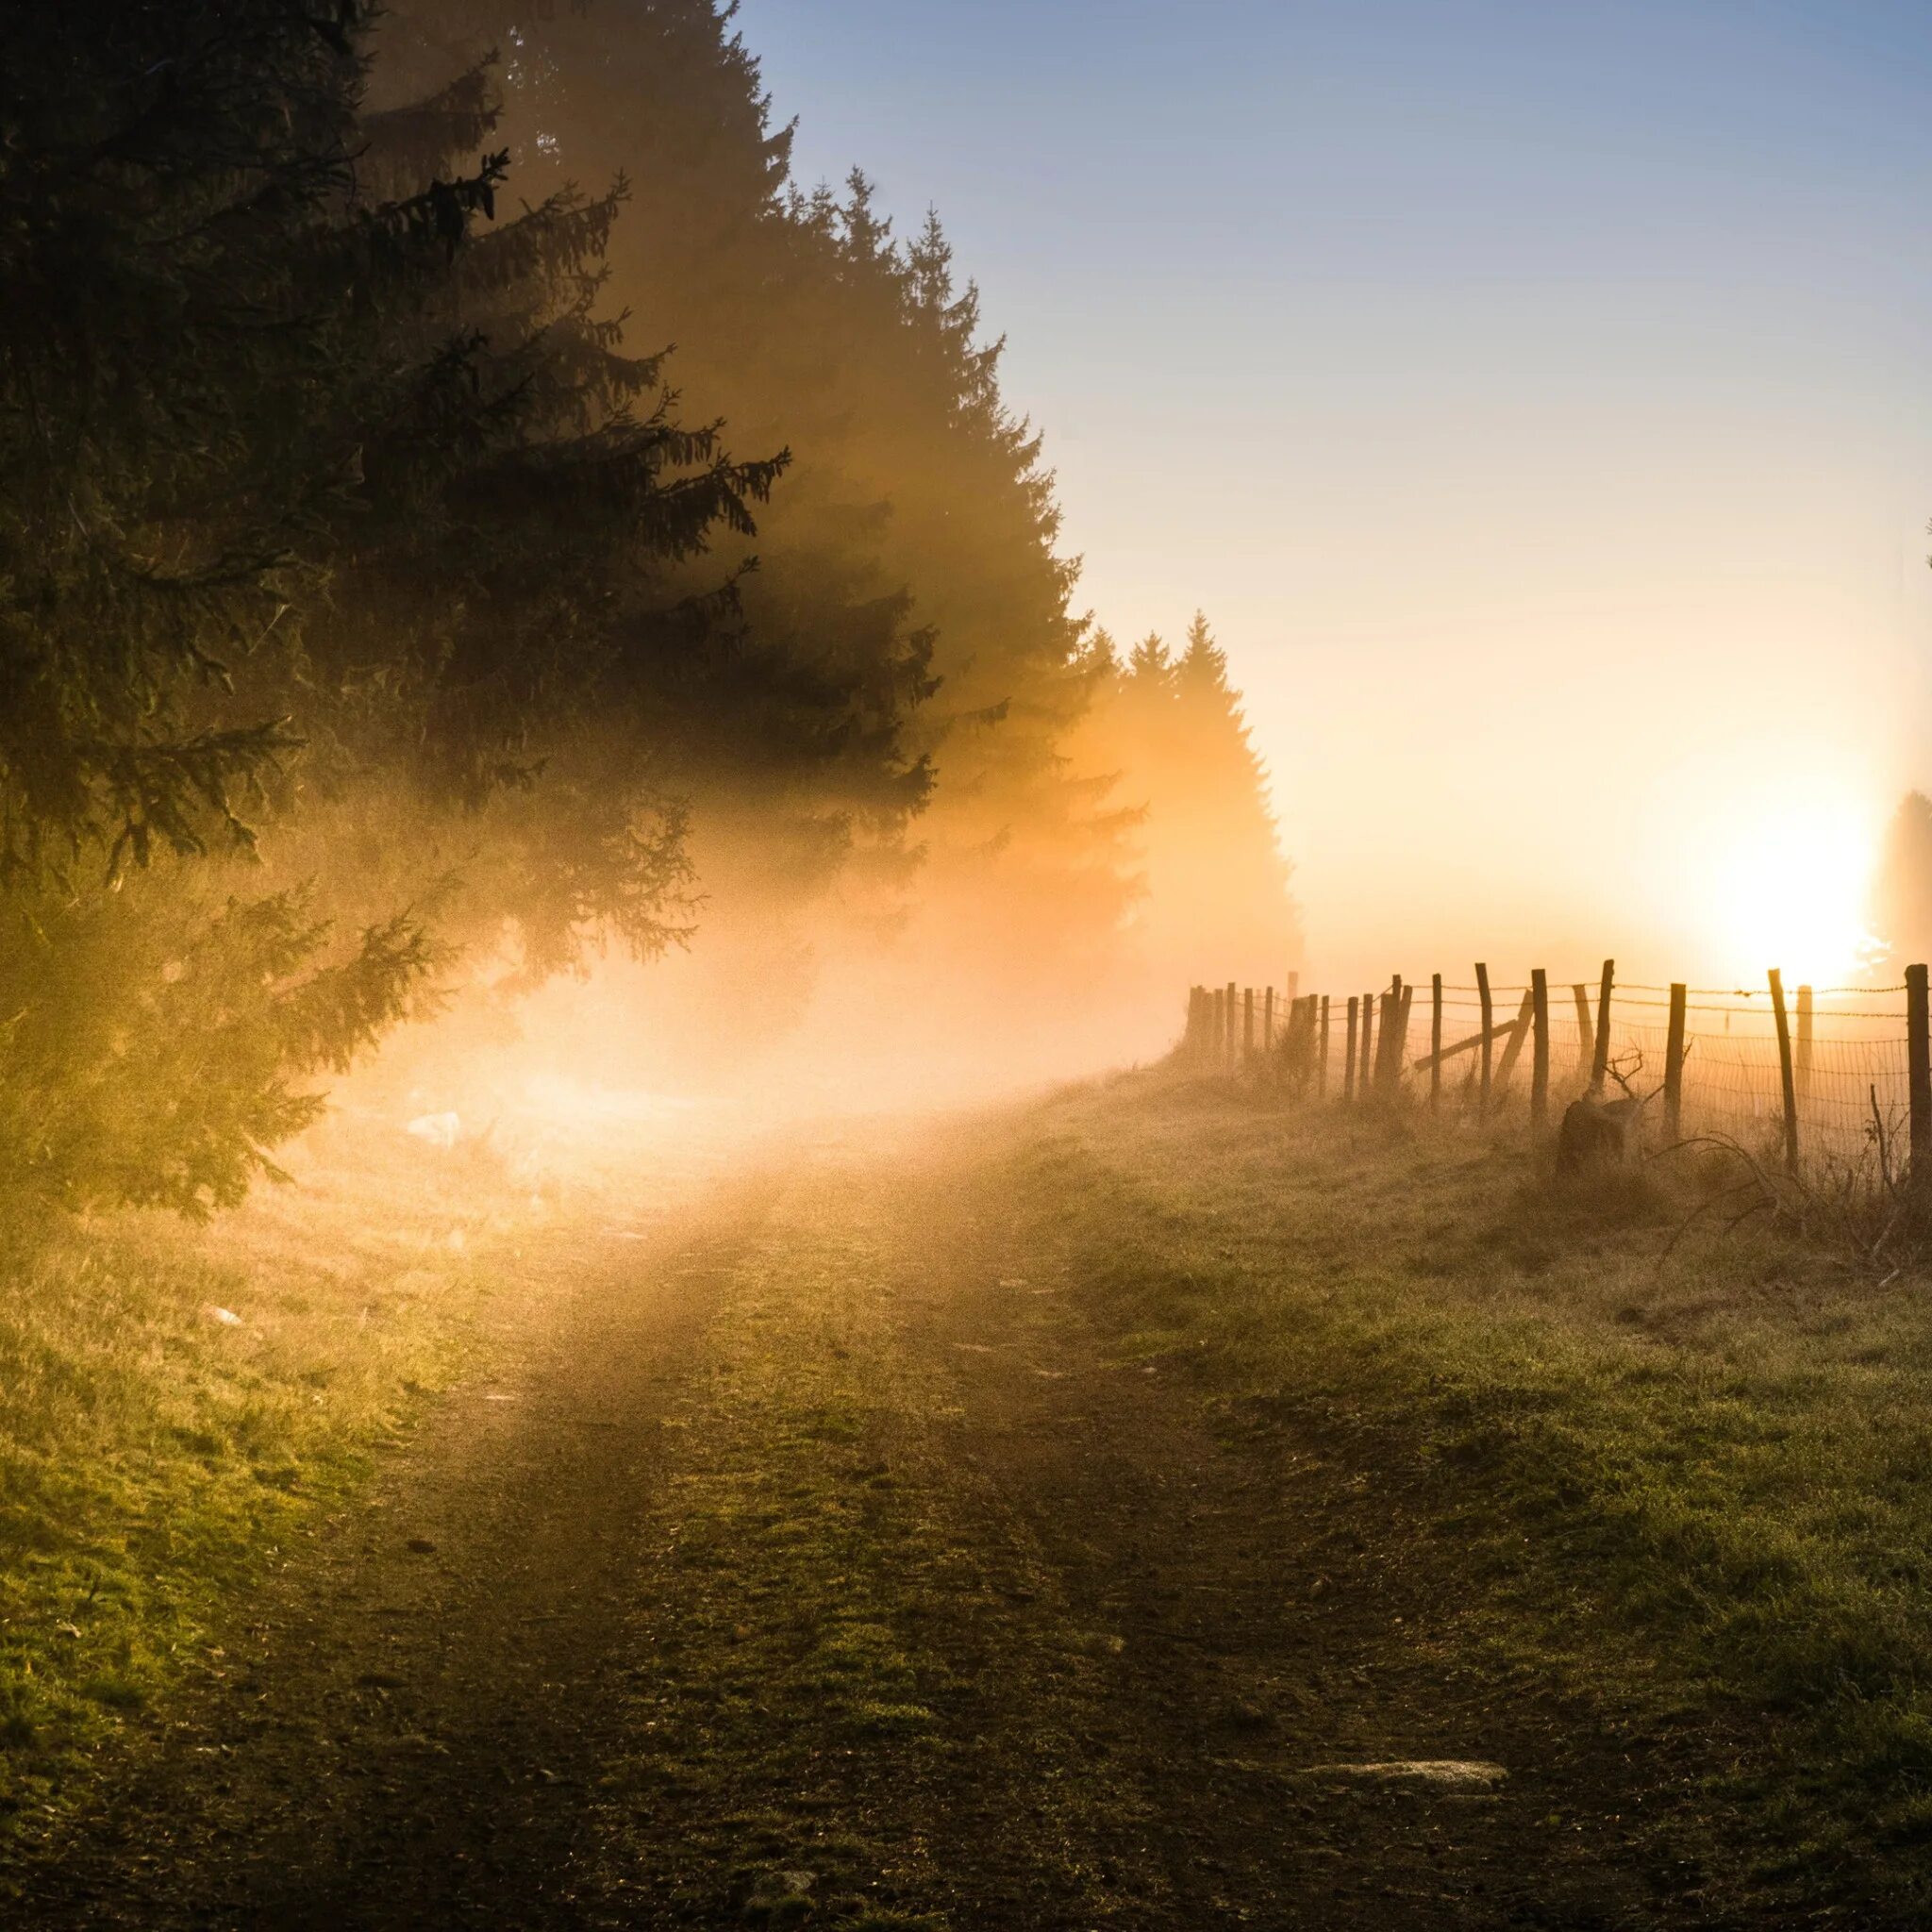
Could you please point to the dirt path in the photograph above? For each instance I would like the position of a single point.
(831, 1565)
(403, 1730)
(1277, 1609)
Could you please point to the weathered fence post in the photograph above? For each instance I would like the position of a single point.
(1401, 1053)
(1247, 1025)
(1227, 1044)
(1540, 1059)
(1600, 1061)
(1482, 987)
(1784, 1068)
(1674, 1063)
(1519, 1036)
(1363, 1085)
(1321, 1055)
(1804, 1048)
(1389, 1061)
(1586, 1033)
(1216, 1041)
(1268, 1021)
(1918, 1062)
(1435, 1042)
(1348, 1062)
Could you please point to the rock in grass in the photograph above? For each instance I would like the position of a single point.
(1448, 1774)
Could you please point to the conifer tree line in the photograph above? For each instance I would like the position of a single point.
(459, 493)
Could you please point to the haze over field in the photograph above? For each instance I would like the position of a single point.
(1535, 391)
(680, 681)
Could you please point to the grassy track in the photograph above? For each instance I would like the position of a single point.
(176, 1401)
(1008, 1527)
(1697, 1488)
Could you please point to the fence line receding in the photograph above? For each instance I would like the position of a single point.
(1808, 1075)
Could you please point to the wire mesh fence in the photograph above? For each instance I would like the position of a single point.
(1816, 1078)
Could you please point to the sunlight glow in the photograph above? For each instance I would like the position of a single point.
(1792, 889)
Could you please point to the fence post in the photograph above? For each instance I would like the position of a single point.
(1519, 1038)
(1363, 1085)
(1401, 1040)
(1268, 1021)
(1784, 1068)
(1539, 1060)
(1247, 1025)
(1919, 1061)
(1348, 1062)
(1388, 1060)
(1674, 1063)
(1294, 987)
(1482, 987)
(1321, 1055)
(1586, 1033)
(1436, 1043)
(1600, 1061)
(1227, 1046)
(1804, 1048)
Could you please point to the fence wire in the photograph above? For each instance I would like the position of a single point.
(1849, 1049)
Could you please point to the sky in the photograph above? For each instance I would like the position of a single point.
(1533, 396)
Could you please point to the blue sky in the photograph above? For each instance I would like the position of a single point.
(1534, 396)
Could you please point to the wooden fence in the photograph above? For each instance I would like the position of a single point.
(1838, 1075)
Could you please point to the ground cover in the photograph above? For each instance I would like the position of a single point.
(1695, 1479)
(177, 1401)
(1034, 1521)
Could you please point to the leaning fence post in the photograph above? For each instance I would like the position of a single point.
(1519, 1038)
(1539, 1060)
(1919, 1061)
(1586, 1033)
(1600, 1063)
(1363, 1085)
(1482, 987)
(1348, 1064)
(1435, 1042)
(1784, 1068)
(1674, 1063)
(1321, 1055)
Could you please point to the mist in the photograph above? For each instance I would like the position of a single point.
(964, 967)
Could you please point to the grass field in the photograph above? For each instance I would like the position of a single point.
(175, 1399)
(1696, 1483)
(1021, 1519)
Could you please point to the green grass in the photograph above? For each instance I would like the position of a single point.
(154, 1456)
(1702, 1482)
(832, 1646)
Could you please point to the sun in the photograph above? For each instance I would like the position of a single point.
(1790, 889)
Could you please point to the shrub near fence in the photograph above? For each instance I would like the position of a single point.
(1831, 1077)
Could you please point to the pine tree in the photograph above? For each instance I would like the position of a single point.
(804, 321)
(324, 497)
(1216, 904)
